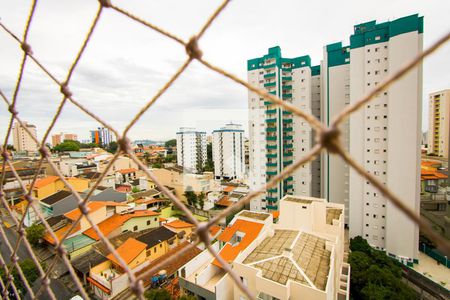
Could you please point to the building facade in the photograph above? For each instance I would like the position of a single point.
(228, 152)
(102, 136)
(22, 140)
(438, 126)
(61, 137)
(191, 149)
(276, 138)
(385, 135)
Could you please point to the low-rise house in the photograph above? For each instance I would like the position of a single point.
(126, 175)
(180, 226)
(108, 279)
(51, 184)
(301, 257)
(159, 242)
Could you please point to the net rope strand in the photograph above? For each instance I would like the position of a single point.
(327, 139)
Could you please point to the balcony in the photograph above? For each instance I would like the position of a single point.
(272, 190)
(287, 154)
(271, 199)
(271, 164)
(287, 163)
(287, 137)
(271, 155)
(271, 138)
(273, 92)
(289, 186)
(270, 84)
(287, 87)
(287, 121)
(290, 178)
(270, 66)
(285, 112)
(287, 129)
(271, 147)
(268, 103)
(272, 207)
(286, 78)
(271, 173)
(271, 129)
(269, 75)
(271, 111)
(287, 146)
(287, 96)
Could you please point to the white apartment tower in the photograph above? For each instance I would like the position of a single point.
(22, 140)
(191, 149)
(439, 120)
(228, 152)
(276, 138)
(385, 135)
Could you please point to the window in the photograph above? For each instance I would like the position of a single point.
(243, 280)
(154, 250)
(149, 222)
(135, 228)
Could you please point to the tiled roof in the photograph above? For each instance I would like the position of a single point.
(250, 231)
(76, 213)
(53, 198)
(109, 225)
(179, 224)
(174, 265)
(225, 201)
(60, 233)
(45, 181)
(156, 236)
(214, 230)
(229, 189)
(127, 171)
(128, 251)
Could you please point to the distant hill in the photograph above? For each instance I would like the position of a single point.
(148, 142)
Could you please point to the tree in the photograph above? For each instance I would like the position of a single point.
(35, 233)
(157, 165)
(359, 244)
(209, 165)
(171, 143)
(201, 200)
(10, 147)
(191, 197)
(170, 158)
(30, 271)
(135, 189)
(187, 297)
(157, 294)
(88, 145)
(112, 147)
(67, 145)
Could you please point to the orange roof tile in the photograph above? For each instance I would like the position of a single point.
(225, 201)
(115, 221)
(229, 189)
(162, 219)
(213, 230)
(128, 251)
(100, 286)
(76, 213)
(276, 214)
(179, 224)
(250, 230)
(45, 181)
(60, 233)
(127, 171)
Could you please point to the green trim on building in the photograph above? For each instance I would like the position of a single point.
(315, 70)
(337, 54)
(369, 33)
(271, 147)
(270, 75)
(271, 155)
(271, 129)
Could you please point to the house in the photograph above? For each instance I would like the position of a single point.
(159, 242)
(126, 175)
(179, 226)
(108, 279)
(58, 203)
(301, 257)
(51, 184)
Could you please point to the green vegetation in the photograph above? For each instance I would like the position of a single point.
(112, 147)
(135, 189)
(67, 145)
(88, 145)
(35, 233)
(374, 275)
(171, 143)
(30, 271)
(157, 294)
(10, 147)
(209, 165)
(170, 158)
(201, 200)
(191, 197)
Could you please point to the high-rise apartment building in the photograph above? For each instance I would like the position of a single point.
(439, 119)
(276, 138)
(102, 136)
(22, 140)
(61, 137)
(385, 135)
(191, 149)
(228, 152)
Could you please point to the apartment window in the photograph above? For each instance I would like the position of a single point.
(135, 228)
(149, 222)
(243, 280)
(367, 225)
(368, 50)
(375, 216)
(367, 235)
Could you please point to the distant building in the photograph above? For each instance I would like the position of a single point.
(191, 149)
(228, 152)
(61, 137)
(439, 120)
(22, 140)
(102, 136)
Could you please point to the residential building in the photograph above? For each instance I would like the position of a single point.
(335, 95)
(61, 137)
(22, 140)
(439, 120)
(191, 149)
(160, 241)
(301, 257)
(228, 152)
(276, 138)
(102, 136)
(179, 226)
(51, 184)
(378, 139)
(121, 163)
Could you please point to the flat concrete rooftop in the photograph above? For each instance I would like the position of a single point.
(333, 214)
(254, 215)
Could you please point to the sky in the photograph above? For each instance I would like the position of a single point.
(125, 63)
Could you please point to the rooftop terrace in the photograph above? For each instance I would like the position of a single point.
(333, 214)
(254, 215)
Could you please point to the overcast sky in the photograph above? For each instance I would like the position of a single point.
(125, 63)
